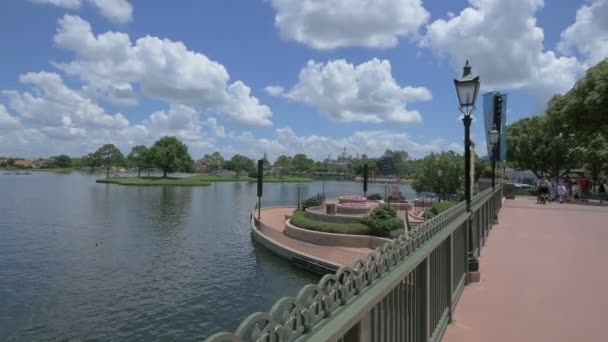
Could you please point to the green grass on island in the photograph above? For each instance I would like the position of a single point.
(220, 178)
(197, 180)
(286, 179)
(155, 181)
(267, 179)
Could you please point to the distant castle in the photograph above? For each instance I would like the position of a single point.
(342, 160)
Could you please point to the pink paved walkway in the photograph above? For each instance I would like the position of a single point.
(544, 277)
(274, 218)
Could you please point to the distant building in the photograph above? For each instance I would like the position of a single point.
(386, 164)
(24, 163)
(342, 160)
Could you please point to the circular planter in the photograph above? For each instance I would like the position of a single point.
(352, 199)
(353, 208)
(398, 205)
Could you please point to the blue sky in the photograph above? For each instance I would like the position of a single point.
(278, 76)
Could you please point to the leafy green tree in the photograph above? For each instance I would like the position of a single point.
(452, 171)
(170, 155)
(215, 161)
(108, 155)
(595, 154)
(61, 161)
(139, 157)
(283, 162)
(239, 163)
(585, 107)
(537, 145)
(301, 163)
(92, 161)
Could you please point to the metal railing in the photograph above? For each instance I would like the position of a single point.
(404, 291)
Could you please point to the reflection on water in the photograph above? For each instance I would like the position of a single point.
(87, 261)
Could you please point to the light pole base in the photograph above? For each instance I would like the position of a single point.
(473, 275)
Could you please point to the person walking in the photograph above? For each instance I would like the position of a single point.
(569, 185)
(602, 190)
(585, 185)
(562, 192)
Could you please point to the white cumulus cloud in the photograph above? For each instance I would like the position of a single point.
(373, 143)
(274, 90)
(52, 103)
(164, 69)
(589, 33)
(505, 47)
(365, 93)
(7, 121)
(325, 24)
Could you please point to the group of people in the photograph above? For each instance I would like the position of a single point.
(567, 189)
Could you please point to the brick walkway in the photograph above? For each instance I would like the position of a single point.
(274, 218)
(544, 277)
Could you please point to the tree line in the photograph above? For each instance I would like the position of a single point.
(571, 134)
(167, 154)
(393, 163)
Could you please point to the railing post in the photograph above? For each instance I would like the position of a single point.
(450, 277)
(427, 299)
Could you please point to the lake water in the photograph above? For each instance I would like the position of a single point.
(86, 261)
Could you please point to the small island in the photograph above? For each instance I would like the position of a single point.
(170, 155)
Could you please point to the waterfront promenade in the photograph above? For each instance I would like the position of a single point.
(543, 277)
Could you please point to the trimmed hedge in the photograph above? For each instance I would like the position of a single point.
(300, 220)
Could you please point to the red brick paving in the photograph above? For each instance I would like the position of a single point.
(544, 277)
(274, 218)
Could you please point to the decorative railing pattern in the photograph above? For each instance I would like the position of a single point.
(403, 291)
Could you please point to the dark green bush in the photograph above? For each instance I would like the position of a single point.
(381, 221)
(383, 213)
(374, 197)
(438, 208)
(314, 201)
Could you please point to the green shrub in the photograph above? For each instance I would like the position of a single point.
(383, 213)
(438, 208)
(314, 201)
(381, 221)
(374, 197)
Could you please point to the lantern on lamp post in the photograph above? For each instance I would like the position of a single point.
(494, 137)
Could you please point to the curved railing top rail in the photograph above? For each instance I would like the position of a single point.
(293, 318)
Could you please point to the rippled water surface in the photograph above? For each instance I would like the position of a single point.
(87, 261)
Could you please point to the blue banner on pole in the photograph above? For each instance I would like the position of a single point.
(488, 119)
